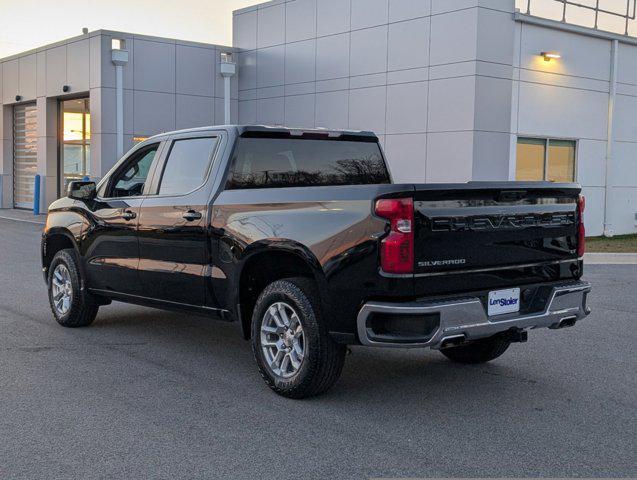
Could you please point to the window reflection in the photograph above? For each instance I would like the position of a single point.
(545, 159)
(75, 153)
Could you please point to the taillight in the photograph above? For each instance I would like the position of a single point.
(397, 248)
(581, 231)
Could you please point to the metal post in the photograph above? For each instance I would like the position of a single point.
(627, 15)
(528, 7)
(564, 11)
(596, 13)
(608, 226)
(36, 195)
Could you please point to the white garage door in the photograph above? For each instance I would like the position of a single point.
(24, 154)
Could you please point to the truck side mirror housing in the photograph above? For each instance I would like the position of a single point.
(81, 190)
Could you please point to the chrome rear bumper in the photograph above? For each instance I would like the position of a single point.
(465, 319)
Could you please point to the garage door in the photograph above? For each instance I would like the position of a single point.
(24, 154)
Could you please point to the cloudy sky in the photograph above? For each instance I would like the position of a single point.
(26, 24)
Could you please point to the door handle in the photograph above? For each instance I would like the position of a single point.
(191, 215)
(128, 215)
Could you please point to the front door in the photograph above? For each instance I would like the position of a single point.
(111, 247)
(173, 223)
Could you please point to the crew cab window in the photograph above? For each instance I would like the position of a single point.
(131, 180)
(187, 165)
(290, 162)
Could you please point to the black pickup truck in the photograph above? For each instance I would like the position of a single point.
(302, 238)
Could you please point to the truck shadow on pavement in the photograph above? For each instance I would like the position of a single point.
(211, 350)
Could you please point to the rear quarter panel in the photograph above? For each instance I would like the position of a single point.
(333, 228)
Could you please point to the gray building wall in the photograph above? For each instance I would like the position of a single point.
(569, 99)
(168, 84)
(447, 85)
(418, 73)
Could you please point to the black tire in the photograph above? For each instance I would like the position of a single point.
(479, 351)
(323, 360)
(82, 308)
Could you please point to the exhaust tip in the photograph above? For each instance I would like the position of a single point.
(452, 341)
(567, 322)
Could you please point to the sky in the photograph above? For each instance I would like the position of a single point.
(26, 24)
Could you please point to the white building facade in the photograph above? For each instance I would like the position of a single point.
(59, 106)
(456, 90)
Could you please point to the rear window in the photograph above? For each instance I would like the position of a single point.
(288, 162)
(187, 165)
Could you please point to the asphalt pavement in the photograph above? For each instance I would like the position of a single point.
(144, 393)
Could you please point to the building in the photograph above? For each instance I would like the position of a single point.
(59, 105)
(457, 90)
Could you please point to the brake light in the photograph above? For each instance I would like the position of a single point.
(581, 231)
(397, 248)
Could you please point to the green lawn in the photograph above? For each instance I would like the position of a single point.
(618, 244)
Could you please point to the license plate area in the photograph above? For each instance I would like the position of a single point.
(503, 301)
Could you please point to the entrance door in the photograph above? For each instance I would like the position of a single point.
(75, 147)
(25, 160)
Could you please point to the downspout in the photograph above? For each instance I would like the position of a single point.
(226, 100)
(119, 109)
(227, 68)
(608, 226)
(119, 56)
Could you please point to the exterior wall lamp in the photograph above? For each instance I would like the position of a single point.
(548, 56)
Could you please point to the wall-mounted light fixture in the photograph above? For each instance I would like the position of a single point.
(18, 98)
(548, 56)
(66, 88)
(118, 44)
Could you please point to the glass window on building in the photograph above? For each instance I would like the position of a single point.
(75, 149)
(545, 159)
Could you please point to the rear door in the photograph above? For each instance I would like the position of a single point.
(174, 253)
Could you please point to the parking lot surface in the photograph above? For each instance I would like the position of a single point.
(146, 393)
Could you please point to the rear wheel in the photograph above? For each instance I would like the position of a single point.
(479, 351)
(71, 305)
(292, 348)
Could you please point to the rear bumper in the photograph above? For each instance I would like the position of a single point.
(465, 319)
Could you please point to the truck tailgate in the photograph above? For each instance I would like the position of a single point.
(489, 227)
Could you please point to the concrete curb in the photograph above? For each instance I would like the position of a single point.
(25, 216)
(610, 258)
(22, 220)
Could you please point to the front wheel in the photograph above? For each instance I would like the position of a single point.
(292, 348)
(71, 305)
(478, 351)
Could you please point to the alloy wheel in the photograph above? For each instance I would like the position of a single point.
(62, 289)
(282, 340)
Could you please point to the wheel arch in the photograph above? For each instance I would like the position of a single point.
(266, 262)
(54, 240)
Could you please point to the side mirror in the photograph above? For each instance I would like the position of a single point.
(81, 190)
